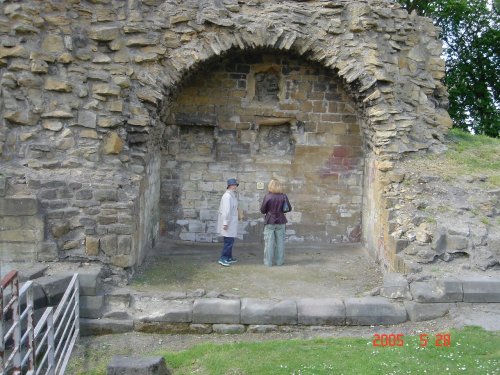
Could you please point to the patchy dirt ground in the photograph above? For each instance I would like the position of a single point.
(309, 271)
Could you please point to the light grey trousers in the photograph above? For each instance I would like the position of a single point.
(274, 244)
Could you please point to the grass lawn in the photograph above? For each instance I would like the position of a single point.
(471, 351)
(467, 154)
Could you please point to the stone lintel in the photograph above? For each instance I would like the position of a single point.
(261, 121)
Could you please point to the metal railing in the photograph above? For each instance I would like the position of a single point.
(45, 348)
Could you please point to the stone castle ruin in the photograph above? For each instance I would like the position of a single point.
(122, 120)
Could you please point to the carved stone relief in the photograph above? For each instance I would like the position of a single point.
(267, 86)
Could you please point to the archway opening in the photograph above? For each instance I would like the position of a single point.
(253, 116)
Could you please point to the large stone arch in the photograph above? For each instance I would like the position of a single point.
(86, 90)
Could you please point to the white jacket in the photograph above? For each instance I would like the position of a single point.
(228, 214)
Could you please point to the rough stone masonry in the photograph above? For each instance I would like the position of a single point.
(121, 120)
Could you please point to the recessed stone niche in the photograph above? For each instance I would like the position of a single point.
(255, 117)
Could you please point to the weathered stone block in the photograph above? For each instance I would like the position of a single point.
(105, 195)
(122, 261)
(216, 310)
(228, 328)
(91, 306)
(59, 230)
(124, 244)
(54, 286)
(395, 286)
(321, 311)
(418, 312)
(480, 289)
(441, 290)
(18, 252)
(113, 144)
(87, 119)
(47, 252)
(18, 206)
(52, 84)
(21, 235)
(109, 244)
(200, 328)
(106, 89)
(259, 311)
(456, 243)
(91, 245)
(90, 281)
(169, 311)
(373, 310)
(104, 33)
(123, 365)
(95, 327)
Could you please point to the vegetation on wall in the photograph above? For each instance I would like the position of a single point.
(471, 36)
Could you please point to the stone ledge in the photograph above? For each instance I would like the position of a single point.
(480, 289)
(215, 310)
(324, 311)
(209, 314)
(259, 311)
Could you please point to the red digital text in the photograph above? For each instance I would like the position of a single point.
(392, 339)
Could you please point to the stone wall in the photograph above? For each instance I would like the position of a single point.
(87, 87)
(302, 130)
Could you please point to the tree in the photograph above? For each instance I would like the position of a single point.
(469, 30)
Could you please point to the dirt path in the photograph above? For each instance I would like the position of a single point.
(310, 271)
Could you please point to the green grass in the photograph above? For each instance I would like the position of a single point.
(474, 155)
(467, 154)
(472, 351)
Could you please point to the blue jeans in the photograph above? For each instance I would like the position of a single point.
(227, 250)
(274, 248)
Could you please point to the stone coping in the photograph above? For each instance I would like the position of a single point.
(119, 310)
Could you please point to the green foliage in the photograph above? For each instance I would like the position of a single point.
(469, 30)
(472, 351)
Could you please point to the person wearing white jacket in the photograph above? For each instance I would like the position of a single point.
(227, 222)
